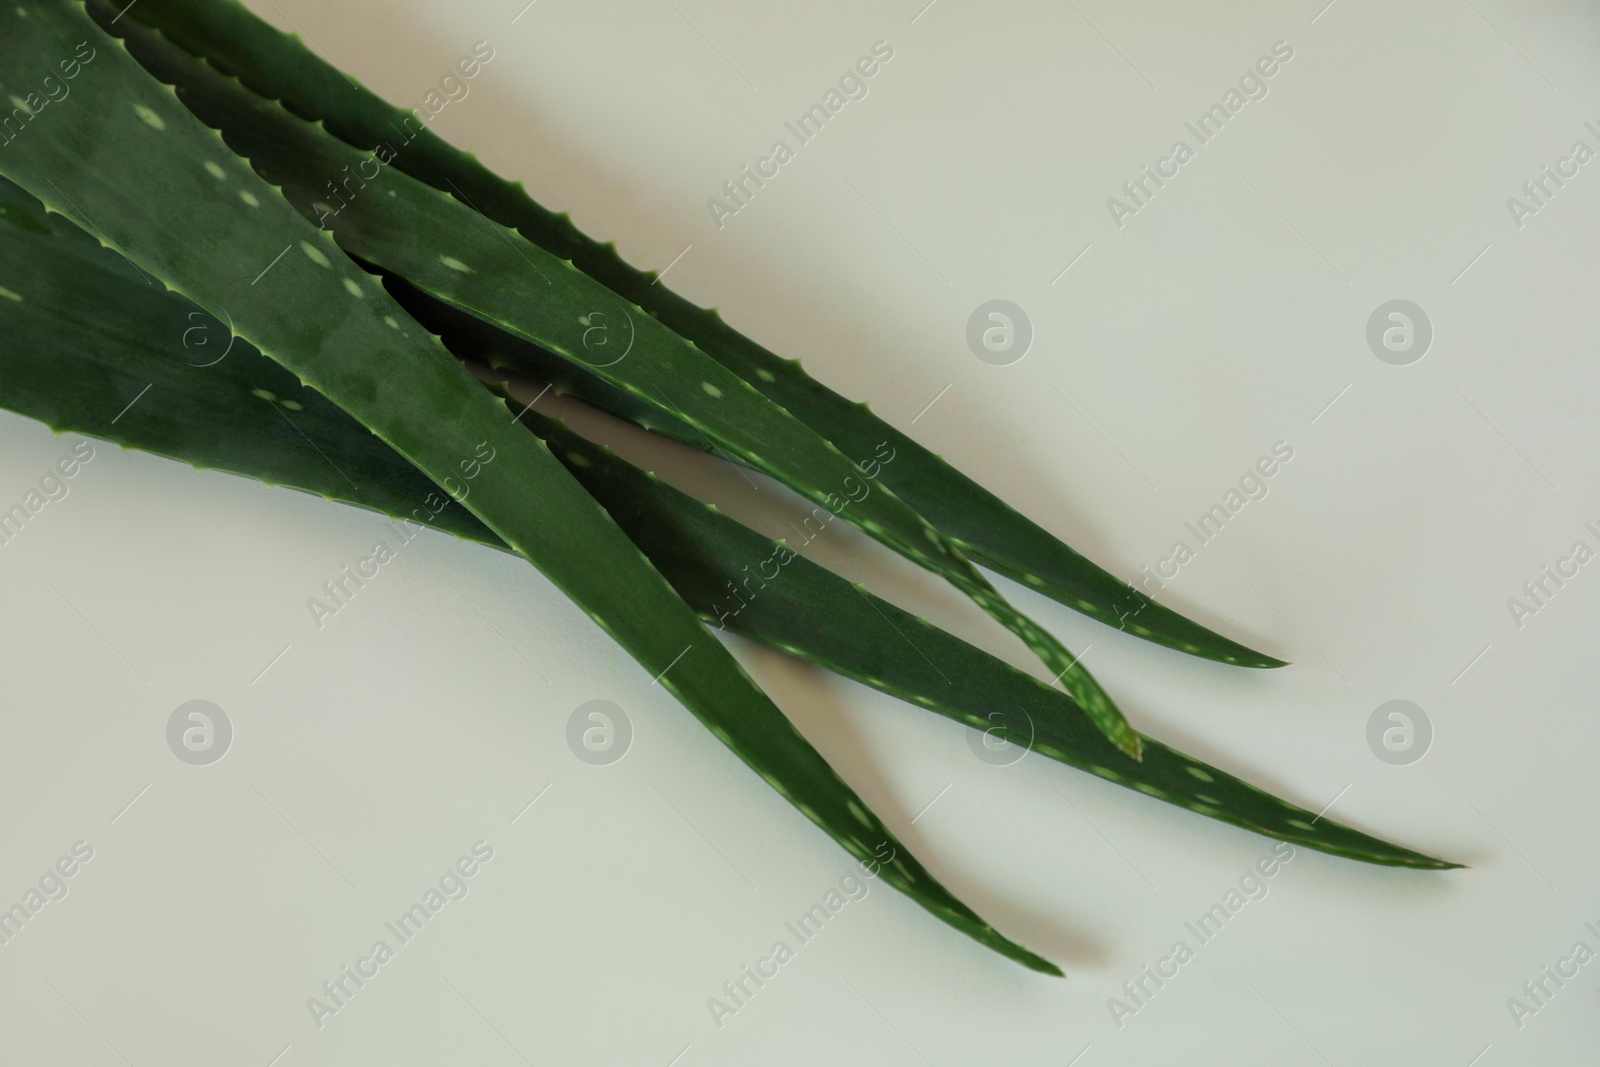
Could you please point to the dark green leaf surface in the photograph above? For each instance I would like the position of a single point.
(124, 156)
(990, 531)
(444, 247)
(91, 335)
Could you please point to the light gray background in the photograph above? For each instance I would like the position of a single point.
(1225, 316)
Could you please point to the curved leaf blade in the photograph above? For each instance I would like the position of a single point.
(704, 553)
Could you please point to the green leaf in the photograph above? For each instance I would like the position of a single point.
(446, 248)
(986, 528)
(91, 336)
(121, 154)
(721, 568)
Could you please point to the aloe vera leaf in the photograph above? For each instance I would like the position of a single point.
(986, 528)
(121, 153)
(443, 246)
(814, 614)
(90, 336)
